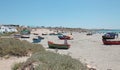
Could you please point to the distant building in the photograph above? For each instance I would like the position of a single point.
(5, 29)
(11, 25)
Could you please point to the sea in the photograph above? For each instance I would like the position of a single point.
(108, 30)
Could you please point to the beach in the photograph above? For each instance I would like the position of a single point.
(60, 34)
(7, 64)
(88, 49)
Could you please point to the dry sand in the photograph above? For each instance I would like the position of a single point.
(88, 49)
(7, 64)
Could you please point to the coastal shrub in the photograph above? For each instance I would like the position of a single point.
(17, 66)
(7, 34)
(54, 61)
(15, 47)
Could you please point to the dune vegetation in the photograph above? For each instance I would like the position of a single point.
(40, 59)
(15, 47)
(54, 61)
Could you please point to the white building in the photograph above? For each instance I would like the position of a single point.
(7, 29)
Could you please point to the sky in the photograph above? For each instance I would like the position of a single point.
(66, 13)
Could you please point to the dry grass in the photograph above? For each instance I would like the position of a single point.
(15, 47)
(53, 61)
(41, 59)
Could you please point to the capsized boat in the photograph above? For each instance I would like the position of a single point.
(58, 46)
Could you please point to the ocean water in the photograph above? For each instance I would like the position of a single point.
(108, 30)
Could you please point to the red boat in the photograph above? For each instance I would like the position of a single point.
(63, 37)
(108, 42)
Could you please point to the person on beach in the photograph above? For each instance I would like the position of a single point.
(117, 35)
(65, 41)
(71, 36)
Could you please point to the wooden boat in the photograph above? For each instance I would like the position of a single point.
(108, 42)
(25, 36)
(44, 33)
(110, 36)
(63, 37)
(17, 35)
(25, 31)
(58, 46)
(89, 34)
(35, 33)
(36, 40)
(55, 34)
(39, 37)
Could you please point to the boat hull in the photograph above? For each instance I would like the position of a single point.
(104, 37)
(55, 34)
(58, 46)
(36, 40)
(25, 36)
(111, 42)
(64, 37)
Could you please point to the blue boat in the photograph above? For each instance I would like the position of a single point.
(37, 40)
(63, 37)
(110, 35)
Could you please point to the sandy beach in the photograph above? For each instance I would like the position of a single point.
(88, 49)
(27, 26)
(7, 64)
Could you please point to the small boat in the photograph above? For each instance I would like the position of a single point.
(25, 36)
(58, 46)
(88, 34)
(63, 37)
(109, 35)
(55, 34)
(38, 39)
(35, 33)
(110, 42)
(17, 35)
(44, 33)
(25, 31)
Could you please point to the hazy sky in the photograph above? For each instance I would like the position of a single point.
(67, 13)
